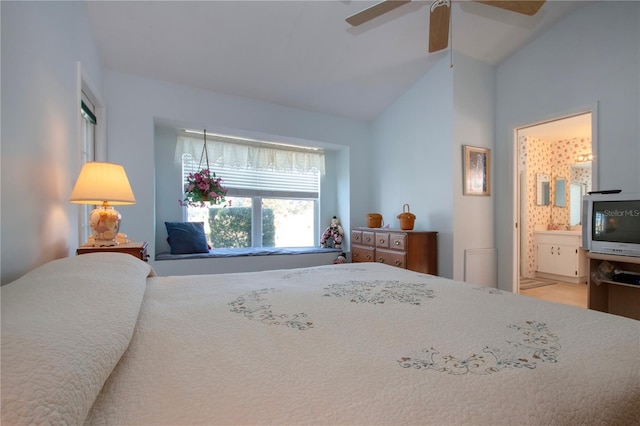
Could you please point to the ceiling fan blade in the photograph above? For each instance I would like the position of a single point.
(526, 7)
(439, 26)
(375, 11)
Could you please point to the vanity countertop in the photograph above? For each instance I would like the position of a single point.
(577, 233)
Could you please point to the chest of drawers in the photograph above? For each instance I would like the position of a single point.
(414, 250)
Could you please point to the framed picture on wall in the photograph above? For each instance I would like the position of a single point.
(477, 170)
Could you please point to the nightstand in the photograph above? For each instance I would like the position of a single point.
(138, 250)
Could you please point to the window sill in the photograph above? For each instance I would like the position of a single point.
(252, 251)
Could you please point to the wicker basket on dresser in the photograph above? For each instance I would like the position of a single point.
(414, 250)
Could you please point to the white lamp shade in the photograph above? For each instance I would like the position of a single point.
(102, 182)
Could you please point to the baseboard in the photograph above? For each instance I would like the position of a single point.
(563, 278)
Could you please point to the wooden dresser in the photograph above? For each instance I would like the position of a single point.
(414, 250)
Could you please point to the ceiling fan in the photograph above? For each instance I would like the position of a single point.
(440, 14)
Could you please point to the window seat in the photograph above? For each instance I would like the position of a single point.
(249, 251)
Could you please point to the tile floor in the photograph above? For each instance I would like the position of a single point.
(562, 292)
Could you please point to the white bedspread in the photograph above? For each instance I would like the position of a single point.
(367, 344)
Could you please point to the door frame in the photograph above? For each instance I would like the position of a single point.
(515, 185)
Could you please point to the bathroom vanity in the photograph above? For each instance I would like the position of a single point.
(559, 256)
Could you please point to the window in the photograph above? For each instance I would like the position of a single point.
(87, 153)
(273, 203)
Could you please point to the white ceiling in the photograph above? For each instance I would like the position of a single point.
(301, 53)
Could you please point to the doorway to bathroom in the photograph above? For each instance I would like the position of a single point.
(555, 169)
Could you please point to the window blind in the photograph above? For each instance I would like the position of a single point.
(87, 113)
(240, 153)
(249, 167)
(261, 182)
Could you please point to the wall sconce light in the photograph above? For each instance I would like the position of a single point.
(104, 185)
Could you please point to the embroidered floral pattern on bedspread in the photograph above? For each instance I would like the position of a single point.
(314, 271)
(538, 344)
(381, 291)
(489, 290)
(252, 307)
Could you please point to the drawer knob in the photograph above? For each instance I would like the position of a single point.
(397, 242)
(368, 239)
(398, 263)
(381, 259)
(368, 257)
(381, 240)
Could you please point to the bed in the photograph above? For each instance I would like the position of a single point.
(98, 339)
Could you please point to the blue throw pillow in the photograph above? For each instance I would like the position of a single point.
(187, 237)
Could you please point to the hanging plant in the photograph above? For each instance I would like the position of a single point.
(204, 186)
(201, 188)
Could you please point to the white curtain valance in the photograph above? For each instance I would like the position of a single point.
(241, 153)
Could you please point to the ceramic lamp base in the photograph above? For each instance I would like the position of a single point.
(105, 224)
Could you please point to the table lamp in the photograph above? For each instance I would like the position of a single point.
(103, 185)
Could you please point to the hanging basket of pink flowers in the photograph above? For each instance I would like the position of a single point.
(204, 186)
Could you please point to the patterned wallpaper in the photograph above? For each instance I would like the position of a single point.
(553, 158)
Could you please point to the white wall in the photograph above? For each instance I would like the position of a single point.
(418, 158)
(167, 185)
(591, 57)
(473, 124)
(42, 43)
(136, 104)
(413, 159)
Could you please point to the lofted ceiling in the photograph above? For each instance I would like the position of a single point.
(301, 54)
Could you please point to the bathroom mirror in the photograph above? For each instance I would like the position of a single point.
(578, 190)
(580, 184)
(542, 189)
(561, 192)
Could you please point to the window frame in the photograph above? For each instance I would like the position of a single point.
(88, 124)
(257, 196)
(86, 92)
